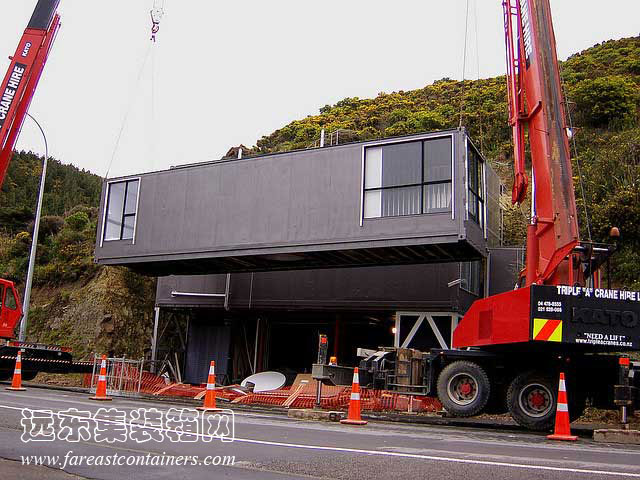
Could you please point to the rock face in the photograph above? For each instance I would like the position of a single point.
(110, 313)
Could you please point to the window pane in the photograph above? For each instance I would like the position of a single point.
(373, 204)
(127, 232)
(114, 212)
(401, 201)
(132, 197)
(473, 205)
(373, 168)
(402, 164)
(472, 162)
(437, 198)
(10, 301)
(437, 159)
(480, 188)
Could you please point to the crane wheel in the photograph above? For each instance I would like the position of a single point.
(531, 399)
(463, 388)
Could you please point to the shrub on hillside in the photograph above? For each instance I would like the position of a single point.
(604, 101)
(78, 221)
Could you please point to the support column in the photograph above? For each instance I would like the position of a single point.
(154, 339)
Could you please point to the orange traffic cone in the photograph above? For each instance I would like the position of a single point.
(562, 430)
(210, 397)
(101, 389)
(353, 417)
(16, 383)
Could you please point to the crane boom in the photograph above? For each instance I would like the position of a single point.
(22, 77)
(536, 110)
(536, 104)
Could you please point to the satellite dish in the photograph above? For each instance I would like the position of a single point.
(265, 381)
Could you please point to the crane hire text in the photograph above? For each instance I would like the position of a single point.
(10, 91)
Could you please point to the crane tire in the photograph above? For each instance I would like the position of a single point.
(463, 388)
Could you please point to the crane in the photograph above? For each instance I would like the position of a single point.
(22, 77)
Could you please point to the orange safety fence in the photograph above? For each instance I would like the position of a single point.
(333, 398)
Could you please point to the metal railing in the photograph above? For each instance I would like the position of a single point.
(124, 376)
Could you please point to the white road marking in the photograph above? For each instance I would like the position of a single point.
(416, 456)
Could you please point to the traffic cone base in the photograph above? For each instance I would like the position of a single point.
(16, 389)
(562, 430)
(101, 399)
(570, 438)
(347, 421)
(101, 388)
(353, 415)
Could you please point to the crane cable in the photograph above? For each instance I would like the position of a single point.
(128, 111)
(575, 154)
(475, 14)
(157, 13)
(464, 63)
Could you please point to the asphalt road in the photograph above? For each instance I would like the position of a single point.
(270, 446)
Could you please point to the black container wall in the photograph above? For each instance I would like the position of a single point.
(295, 210)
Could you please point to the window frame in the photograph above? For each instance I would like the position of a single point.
(467, 288)
(123, 215)
(481, 218)
(422, 185)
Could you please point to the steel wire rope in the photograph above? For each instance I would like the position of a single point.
(464, 63)
(575, 154)
(128, 109)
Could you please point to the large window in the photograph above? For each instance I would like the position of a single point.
(122, 202)
(408, 178)
(475, 178)
(471, 275)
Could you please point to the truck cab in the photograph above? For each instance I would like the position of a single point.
(10, 310)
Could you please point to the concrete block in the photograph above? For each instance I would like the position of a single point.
(631, 437)
(313, 414)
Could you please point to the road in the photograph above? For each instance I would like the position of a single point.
(270, 446)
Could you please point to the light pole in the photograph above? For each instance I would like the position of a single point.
(34, 241)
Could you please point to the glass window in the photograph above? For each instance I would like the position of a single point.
(122, 203)
(408, 178)
(10, 301)
(471, 275)
(475, 179)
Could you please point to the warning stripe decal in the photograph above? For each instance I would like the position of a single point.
(547, 330)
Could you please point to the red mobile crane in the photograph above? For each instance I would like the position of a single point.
(509, 349)
(16, 92)
(559, 319)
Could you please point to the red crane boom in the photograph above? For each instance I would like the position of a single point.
(536, 104)
(20, 82)
(536, 110)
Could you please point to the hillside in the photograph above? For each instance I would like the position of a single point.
(107, 309)
(601, 84)
(74, 302)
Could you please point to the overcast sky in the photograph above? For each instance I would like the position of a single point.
(229, 72)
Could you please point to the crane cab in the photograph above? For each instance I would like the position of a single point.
(11, 309)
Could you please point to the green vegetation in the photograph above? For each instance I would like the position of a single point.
(602, 85)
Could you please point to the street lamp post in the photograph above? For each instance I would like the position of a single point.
(34, 241)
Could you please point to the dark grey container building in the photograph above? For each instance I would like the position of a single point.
(413, 217)
(416, 199)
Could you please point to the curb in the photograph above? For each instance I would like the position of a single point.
(628, 437)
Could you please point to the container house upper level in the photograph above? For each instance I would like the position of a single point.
(426, 198)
